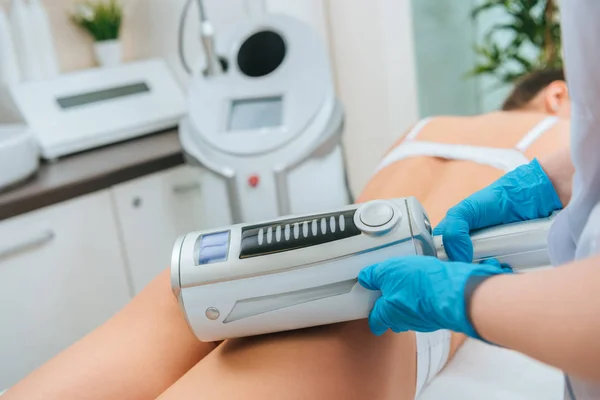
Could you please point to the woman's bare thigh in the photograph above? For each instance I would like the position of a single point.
(342, 361)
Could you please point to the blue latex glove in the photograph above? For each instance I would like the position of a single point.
(423, 294)
(523, 194)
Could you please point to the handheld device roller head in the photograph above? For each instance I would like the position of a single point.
(301, 271)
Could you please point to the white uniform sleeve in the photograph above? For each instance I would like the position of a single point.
(581, 43)
(580, 21)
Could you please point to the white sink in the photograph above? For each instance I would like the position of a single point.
(19, 154)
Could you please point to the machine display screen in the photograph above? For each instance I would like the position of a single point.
(102, 95)
(251, 114)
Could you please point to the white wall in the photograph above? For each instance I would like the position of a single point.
(312, 12)
(444, 35)
(372, 45)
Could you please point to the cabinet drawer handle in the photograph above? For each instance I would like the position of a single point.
(184, 188)
(35, 241)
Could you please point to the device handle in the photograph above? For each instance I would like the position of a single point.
(37, 240)
(184, 188)
(521, 245)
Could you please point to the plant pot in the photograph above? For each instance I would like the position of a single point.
(108, 53)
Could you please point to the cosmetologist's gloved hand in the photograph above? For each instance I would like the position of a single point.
(522, 194)
(423, 294)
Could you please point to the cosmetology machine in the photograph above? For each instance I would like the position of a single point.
(264, 122)
(79, 110)
(82, 110)
(301, 271)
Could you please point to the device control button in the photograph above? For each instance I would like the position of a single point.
(212, 313)
(213, 248)
(376, 214)
(253, 181)
(215, 239)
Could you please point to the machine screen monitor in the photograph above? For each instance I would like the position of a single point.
(102, 95)
(251, 114)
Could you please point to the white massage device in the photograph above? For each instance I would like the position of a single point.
(301, 271)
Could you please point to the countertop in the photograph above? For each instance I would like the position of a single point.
(94, 170)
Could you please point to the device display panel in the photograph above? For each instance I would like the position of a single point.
(254, 114)
(98, 96)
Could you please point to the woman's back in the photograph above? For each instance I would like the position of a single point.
(445, 159)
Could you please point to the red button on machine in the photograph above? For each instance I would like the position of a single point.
(253, 181)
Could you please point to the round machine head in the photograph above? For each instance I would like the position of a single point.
(278, 80)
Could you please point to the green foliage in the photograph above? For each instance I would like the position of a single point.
(531, 25)
(101, 19)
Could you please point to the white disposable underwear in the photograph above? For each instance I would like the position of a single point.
(433, 350)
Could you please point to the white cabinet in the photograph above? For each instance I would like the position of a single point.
(67, 268)
(61, 275)
(153, 211)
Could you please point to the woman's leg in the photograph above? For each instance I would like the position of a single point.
(148, 346)
(343, 361)
(137, 354)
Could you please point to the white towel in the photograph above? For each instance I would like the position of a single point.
(480, 371)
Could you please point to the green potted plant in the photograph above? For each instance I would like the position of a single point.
(531, 36)
(102, 20)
